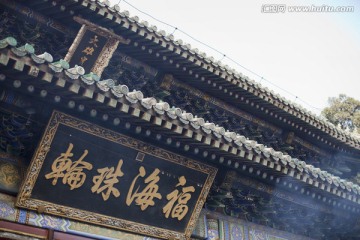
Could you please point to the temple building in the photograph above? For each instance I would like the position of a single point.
(112, 129)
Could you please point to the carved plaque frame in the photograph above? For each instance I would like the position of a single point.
(26, 200)
(107, 51)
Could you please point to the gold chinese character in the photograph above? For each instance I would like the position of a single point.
(71, 172)
(180, 209)
(88, 50)
(83, 59)
(109, 178)
(94, 40)
(146, 196)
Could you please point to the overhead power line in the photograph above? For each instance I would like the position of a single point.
(224, 56)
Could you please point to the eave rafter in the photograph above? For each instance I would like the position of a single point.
(23, 70)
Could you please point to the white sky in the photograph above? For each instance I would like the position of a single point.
(311, 55)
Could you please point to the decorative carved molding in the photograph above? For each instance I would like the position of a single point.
(105, 56)
(101, 31)
(170, 83)
(75, 44)
(31, 14)
(230, 177)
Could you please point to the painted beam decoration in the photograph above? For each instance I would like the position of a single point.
(11, 173)
(93, 47)
(88, 173)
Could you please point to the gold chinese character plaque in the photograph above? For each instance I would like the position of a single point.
(85, 172)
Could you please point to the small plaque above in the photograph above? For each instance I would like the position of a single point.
(85, 172)
(88, 50)
(93, 47)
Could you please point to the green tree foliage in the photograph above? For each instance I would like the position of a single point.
(343, 111)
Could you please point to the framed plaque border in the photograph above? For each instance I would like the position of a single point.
(24, 199)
